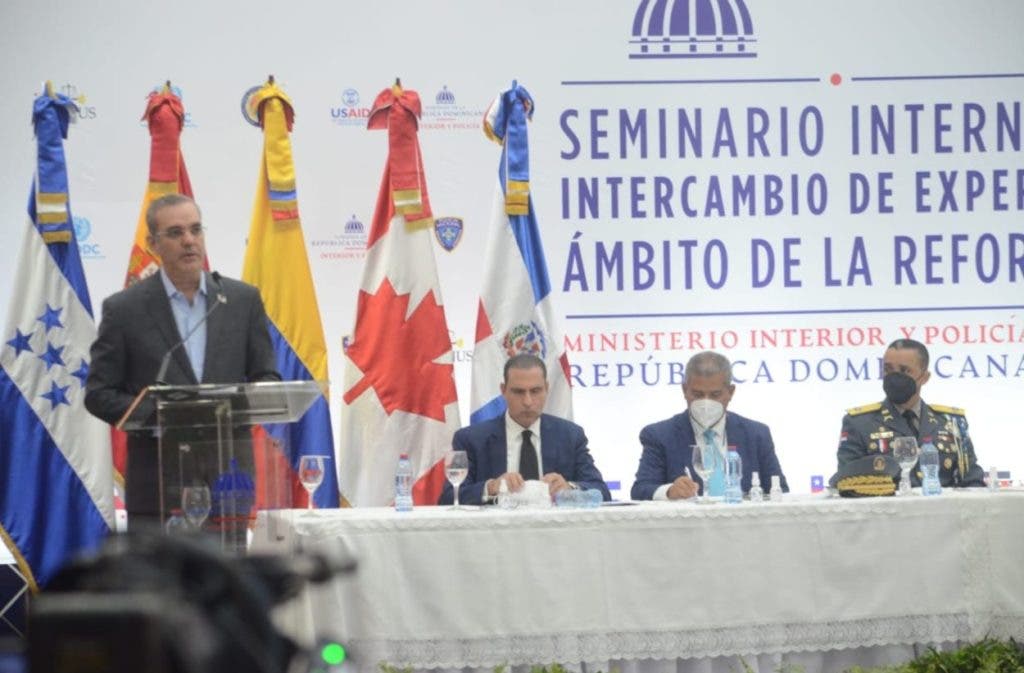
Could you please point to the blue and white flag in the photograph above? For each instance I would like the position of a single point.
(515, 313)
(56, 477)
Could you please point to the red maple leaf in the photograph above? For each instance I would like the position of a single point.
(396, 355)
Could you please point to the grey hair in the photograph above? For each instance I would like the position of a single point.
(709, 363)
(166, 201)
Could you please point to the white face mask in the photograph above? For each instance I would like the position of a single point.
(706, 412)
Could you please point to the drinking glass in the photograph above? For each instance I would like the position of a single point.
(456, 468)
(703, 461)
(905, 451)
(195, 502)
(311, 474)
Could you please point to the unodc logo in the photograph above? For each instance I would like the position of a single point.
(525, 338)
(685, 29)
(83, 228)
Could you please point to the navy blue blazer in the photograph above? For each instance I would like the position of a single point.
(666, 452)
(563, 448)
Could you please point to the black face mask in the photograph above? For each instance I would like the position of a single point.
(898, 387)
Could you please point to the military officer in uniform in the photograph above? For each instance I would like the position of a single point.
(870, 429)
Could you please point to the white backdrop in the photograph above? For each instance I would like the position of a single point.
(950, 73)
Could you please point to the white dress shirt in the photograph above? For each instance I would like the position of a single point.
(514, 443)
(513, 448)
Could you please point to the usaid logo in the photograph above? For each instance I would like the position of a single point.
(350, 112)
(692, 29)
(83, 229)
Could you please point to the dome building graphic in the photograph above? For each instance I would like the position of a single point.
(354, 226)
(444, 96)
(692, 29)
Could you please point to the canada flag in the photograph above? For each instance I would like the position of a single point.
(399, 383)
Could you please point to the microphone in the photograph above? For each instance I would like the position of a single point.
(218, 299)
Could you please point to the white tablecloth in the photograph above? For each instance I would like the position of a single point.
(663, 581)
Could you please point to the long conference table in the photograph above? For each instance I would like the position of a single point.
(817, 582)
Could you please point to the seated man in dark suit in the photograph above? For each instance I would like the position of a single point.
(665, 470)
(524, 443)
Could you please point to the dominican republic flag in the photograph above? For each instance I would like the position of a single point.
(515, 314)
(399, 378)
(56, 483)
(276, 263)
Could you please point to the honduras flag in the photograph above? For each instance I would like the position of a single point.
(56, 479)
(515, 314)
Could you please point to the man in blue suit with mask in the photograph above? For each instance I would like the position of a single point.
(666, 472)
(524, 443)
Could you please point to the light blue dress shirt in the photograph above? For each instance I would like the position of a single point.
(187, 316)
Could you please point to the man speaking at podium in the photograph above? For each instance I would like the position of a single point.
(180, 326)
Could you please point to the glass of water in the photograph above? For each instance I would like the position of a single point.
(905, 451)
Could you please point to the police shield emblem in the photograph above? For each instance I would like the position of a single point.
(448, 231)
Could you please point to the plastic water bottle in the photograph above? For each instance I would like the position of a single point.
(756, 494)
(775, 495)
(233, 496)
(733, 476)
(176, 524)
(592, 498)
(582, 498)
(993, 478)
(403, 484)
(929, 462)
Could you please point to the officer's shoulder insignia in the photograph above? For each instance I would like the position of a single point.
(943, 409)
(865, 409)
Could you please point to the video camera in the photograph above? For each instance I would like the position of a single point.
(162, 604)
